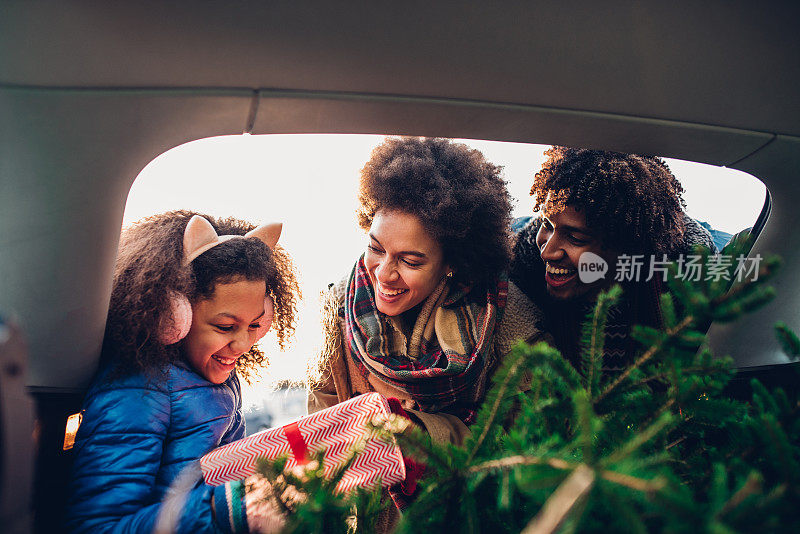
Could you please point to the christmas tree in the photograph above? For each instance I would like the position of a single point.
(662, 446)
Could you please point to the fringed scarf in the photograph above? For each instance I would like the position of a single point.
(443, 365)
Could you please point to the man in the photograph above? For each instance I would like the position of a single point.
(600, 213)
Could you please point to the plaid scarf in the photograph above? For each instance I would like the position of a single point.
(444, 364)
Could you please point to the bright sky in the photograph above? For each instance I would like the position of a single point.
(310, 182)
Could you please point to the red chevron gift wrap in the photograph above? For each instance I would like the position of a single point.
(336, 429)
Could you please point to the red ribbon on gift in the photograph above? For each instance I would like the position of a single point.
(334, 430)
(297, 443)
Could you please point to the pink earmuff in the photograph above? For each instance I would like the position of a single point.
(177, 324)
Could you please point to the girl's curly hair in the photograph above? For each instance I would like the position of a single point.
(459, 197)
(635, 201)
(149, 268)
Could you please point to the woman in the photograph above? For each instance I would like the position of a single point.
(427, 313)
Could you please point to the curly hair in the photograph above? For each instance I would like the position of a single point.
(458, 196)
(149, 268)
(635, 201)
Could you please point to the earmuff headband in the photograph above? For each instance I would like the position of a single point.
(200, 236)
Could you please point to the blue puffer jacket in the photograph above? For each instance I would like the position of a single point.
(136, 437)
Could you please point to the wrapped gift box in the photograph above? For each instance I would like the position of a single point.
(337, 429)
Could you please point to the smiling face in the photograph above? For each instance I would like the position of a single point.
(224, 327)
(561, 239)
(404, 262)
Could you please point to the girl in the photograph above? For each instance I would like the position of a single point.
(191, 296)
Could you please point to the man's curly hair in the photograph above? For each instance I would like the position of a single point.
(634, 201)
(149, 268)
(458, 196)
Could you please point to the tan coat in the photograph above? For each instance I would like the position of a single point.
(341, 379)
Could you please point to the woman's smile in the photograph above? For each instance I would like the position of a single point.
(387, 292)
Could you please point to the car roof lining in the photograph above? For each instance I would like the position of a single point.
(723, 63)
(99, 89)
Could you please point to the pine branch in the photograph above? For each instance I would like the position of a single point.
(584, 417)
(766, 271)
(634, 483)
(412, 441)
(663, 376)
(594, 331)
(751, 486)
(676, 442)
(644, 358)
(522, 357)
(546, 461)
(559, 505)
(498, 393)
(661, 410)
(510, 462)
(515, 461)
(789, 341)
(639, 439)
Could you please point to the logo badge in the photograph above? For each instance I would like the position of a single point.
(591, 267)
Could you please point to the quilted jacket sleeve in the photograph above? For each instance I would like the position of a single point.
(237, 429)
(118, 454)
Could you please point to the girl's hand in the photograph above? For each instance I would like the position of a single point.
(263, 514)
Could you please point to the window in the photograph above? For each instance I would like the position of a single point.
(310, 183)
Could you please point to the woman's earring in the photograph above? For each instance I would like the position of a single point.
(450, 274)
